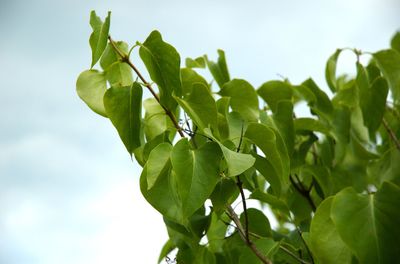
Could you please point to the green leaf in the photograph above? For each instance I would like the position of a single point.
(330, 70)
(273, 92)
(368, 223)
(163, 195)
(271, 200)
(322, 175)
(199, 62)
(118, 73)
(243, 98)
(325, 242)
(395, 42)
(124, 106)
(158, 161)
(375, 105)
(266, 140)
(189, 78)
(225, 193)
(197, 173)
(99, 36)
(283, 119)
(237, 163)
(91, 86)
(270, 173)
(322, 106)
(219, 70)
(310, 124)
(163, 64)
(156, 120)
(166, 249)
(388, 62)
(266, 246)
(258, 222)
(200, 106)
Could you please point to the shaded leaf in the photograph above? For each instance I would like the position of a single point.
(310, 124)
(124, 106)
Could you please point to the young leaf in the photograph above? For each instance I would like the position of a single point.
(118, 73)
(91, 86)
(325, 242)
(200, 106)
(195, 63)
(244, 98)
(197, 173)
(368, 223)
(330, 70)
(99, 36)
(388, 62)
(163, 64)
(124, 106)
(158, 161)
(274, 91)
(219, 70)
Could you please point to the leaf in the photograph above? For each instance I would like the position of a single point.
(368, 224)
(271, 200)
(330, 70)
(197, 173)
(322, 106)
(189, 78)
(388, 61)
(163, 64)
(225, 193)
(118, 73)
(158, 161)
(266, 140)
(166, 249)
(267, 247)
(273, 92)
(270, 173)
(325, 242)
(375, 106)
(155, 120)
(219, 70)
(91, 86)
(243, 98)
(199, 62)
(163, 195)
(395, 42)
(124, 106)
(200, 106)
(237, 163)
(322, 175)
(258, 222)
(99, 36)
(283, 119)
(310, 124)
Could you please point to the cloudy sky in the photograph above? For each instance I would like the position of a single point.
(68, 190)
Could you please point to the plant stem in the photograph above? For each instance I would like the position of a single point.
(305, 193)
(391, 133)
(293, 255)
(125, 59)
(249, 243)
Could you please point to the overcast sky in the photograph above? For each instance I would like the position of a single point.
(68, 190)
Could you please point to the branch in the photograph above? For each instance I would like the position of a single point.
(293, 255)
(305, 193)
(391, 133)
(125, 58)
(231, 213)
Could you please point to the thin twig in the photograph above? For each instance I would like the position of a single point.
(231, 213)
(391, 133)
(303, 192)
(293, 255)
(125, 58)
(305, 244)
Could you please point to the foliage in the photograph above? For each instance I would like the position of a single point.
(331, 180)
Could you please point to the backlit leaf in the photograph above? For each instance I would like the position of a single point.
(98, 38)
(330, 70)
(219, 69)
(388, 62)
(275, 91)
(158, 161)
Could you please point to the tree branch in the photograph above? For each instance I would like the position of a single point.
(391, 133)
(232, 215)
(125, 59)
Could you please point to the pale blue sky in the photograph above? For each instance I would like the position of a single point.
(68, 191)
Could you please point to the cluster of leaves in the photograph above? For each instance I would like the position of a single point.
(331, 180)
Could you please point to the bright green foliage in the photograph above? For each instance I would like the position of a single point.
(207, 147)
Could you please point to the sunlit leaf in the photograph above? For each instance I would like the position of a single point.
(275, 91)
(219, 69)
(158, 161)
(98, 38)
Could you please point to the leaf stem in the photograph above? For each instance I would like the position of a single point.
(287, 251)
(232, 215)
(391, 133)
(125, 59)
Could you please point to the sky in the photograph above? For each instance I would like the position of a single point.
(69, 192)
